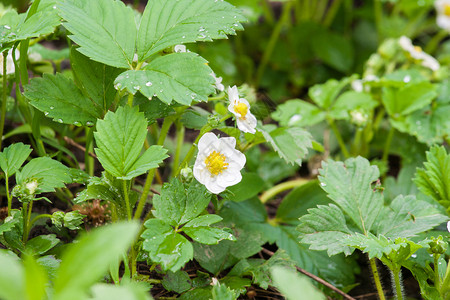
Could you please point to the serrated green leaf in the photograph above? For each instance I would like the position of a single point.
(291, 284)
(96, 79)
(50, 174)
(166, 24)
(291, 144)
(165, 246)
(222, 292)
(434, 179)
(14, 27)
(339, 56)
(180, 203)
(298, 113)
(406, 217)
(85, 262)
(105, 30)
(178, 282)
(204, 220)
(261, 272)
(183, 77)
(349, 185)
(153, 109)
(409, 98)
(325, 228)
(12, 158)
(120, 138)
(59, 98)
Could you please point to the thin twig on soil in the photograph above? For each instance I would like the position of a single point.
(314, 277)
(76, 145)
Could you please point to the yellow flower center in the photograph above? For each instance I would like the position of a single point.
(215, 163)
(418, 49)
(241, 109)
(447, 10)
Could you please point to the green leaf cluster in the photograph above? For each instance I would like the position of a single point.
(177, 210)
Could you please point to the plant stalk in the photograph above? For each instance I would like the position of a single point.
(8, 195)
(127, 198)
(339, 138)
(437, 278)
(178, 147)
(398, 286)
(387, 145)
(376, 278)
(279, 188)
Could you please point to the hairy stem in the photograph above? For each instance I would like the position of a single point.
(8, 195)
(376, 279)
(398, 285)
(39, 217)
(387, 145)
(270, 193)
(178, 147)
(437, 278)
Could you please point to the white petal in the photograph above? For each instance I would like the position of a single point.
(228, 178)
(443, 21)
(247, 125)
(214, 187)
(233, 94)
(229, 142)
(448, 226)
(206, 141)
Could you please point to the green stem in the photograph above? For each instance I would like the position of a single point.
(355, 149)
(218, 97)
(8, 195)
(267, 9)
(435, 41)
(151, 174)
(178, 147)
(39, 217)
(398, 286)
(376, 278)
(437, 278)
(130, 100)
(25, 222)
(127, 198)
(3, 114)
(279, 188)
(339, 138)
(387, 145)
(89, 160)
(332, 11)
(272, 42)
(378, 9)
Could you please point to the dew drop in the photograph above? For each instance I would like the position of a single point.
(76, 123)
(54, 6)
(117, 86)
(52, 107)
(149, 84)
(160, 91)
(323, 184)
(7, 27)
(89, 123)
(201, 29)
(201, 36)
(183, 36)
(46, 113)
(136, 87)
(407, 78)
(60, 120)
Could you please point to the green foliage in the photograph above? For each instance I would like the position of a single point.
(120, 137)
(291, 144)
(85, 262)
(48, 173)
(16, 27)
(71, 220)
(59, 98)
(105, 30)
(12, 158)
(177, 281)
(349, 186)
(183, 77)
(177, 210)
(434, 179)
(184, 22)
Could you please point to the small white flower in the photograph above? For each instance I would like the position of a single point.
(10, 69)
(357, 85)
(219, 86)
(180, 48)
(443, 14)
(417, 54)
(218, 164)
(31, 186)
(240, 108)
(359, 117)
